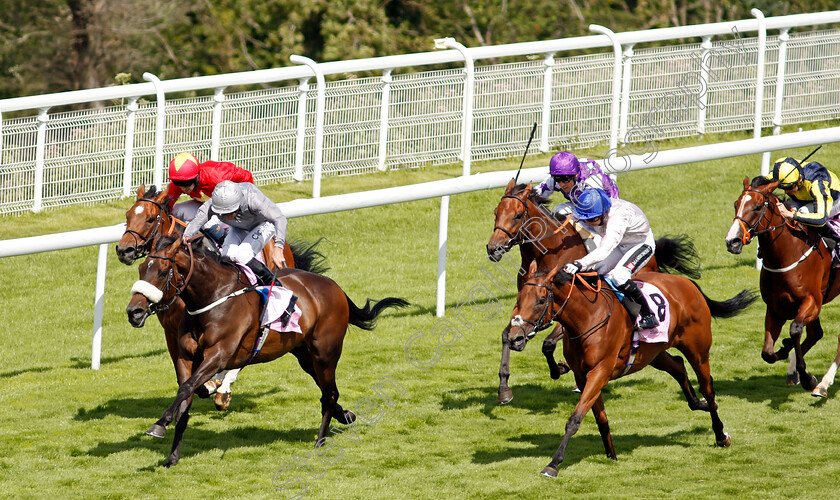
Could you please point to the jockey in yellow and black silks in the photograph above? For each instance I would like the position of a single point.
(814, 193)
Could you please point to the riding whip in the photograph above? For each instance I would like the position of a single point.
(533, 129)
(810, 154)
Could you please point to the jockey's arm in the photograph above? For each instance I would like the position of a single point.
(822, 204)
(616, 226)
(544, 189)
(201, 218)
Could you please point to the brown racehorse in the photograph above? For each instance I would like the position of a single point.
(796, 277)
(520, 220)
(222, 337)
(599, 346)
(148, 219)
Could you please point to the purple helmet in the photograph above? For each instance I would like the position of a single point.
(564, 163)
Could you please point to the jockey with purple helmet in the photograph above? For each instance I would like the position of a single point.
(625, 246)
(569, 175)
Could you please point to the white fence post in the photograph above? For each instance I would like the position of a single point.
(441, 267)
(216, 131)
(383, 119)
(319, 120)
(99, 306)
(705, 64)
(300, 138)
(131, 108)
(616, 84)
(625, 92)
(548, 81)
(40, 148)
(160, 128)
(759, 85)
(469, 88)
(780, 81)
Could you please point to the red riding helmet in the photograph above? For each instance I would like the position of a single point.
(183, 167)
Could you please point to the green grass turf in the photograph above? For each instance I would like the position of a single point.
(70, 432)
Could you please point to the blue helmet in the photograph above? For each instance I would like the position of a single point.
(591, 203)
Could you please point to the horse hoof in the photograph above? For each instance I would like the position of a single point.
(505, 396)
(156, 430)
(549, 471)
(820, 392)
(346, 418)
(555, 374)
(222, 401)
(792, 379)
(809, 383)
(726, 441)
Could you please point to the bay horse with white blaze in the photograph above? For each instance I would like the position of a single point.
(599, 342)
(542, 238)
(224, 336)
(797, 278)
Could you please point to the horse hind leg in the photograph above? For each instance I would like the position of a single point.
(675, 367)
(304, 357)
(699, 362)
(822, 388)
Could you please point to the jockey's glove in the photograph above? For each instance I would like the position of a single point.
(572, 268)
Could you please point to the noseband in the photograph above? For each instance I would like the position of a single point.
(156, 308)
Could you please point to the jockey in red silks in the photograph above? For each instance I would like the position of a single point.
(198, 180)
(570, 175)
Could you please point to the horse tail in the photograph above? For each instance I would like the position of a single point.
(677, 253)
(365, 318)
(307, 258)
(731, 307)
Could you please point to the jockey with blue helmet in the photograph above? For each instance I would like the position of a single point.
(626, 244)
(569, 174)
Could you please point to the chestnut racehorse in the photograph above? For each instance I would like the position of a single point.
(222, 329)
(599, 341)
(521, 220)
(796, 279)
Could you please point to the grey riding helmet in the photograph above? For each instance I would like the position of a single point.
(227, 197)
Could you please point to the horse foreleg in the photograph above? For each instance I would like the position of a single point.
(772, 328)
(594, 382)
(202, 374)
(505, 394)
(822, 389)
(555, 369)
(808, 381)
(604, 427)
(181, 420)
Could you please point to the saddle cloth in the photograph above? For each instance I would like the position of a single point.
(661, 309)
(277, 304)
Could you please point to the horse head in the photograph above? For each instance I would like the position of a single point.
(534, 309)
(144, 220)
(511, 214)
(160, 281)
(755, 211)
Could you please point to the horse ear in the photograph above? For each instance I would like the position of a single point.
(510, 186)
(532, 269)
(162, 195)
(141, 190)
(553, 273)
(746, 182)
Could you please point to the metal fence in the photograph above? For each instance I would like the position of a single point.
(407, 118)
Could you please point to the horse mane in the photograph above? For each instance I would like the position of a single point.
(151, 193)
(760, 181)
(517, 189)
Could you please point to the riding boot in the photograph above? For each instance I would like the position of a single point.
(648, 319)
(829, 237)
(264, 275)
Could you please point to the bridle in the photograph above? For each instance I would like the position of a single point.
(549, 315)
(156, 308)
(751, 230)
(142, 243)
(518, 239)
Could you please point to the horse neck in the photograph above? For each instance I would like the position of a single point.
(583, 310)
(782, 244)
(210, 280)
(563, 244)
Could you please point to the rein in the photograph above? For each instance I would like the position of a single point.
(516, 239)
(750, 231)
(541, 324)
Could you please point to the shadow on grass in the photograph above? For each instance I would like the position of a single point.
(770, 389)
(418, 310)
(85, 362)
(152, 408)
(37, 369)
(582, 447)
(198, 440)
